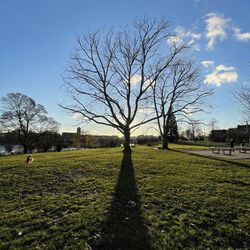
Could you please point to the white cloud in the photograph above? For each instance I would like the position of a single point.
(71, 129)
(216, 28)
(184, 36)
(221, 74)
(222, 67)
(146, 110)
(174, 40)
(207, 63)
(77, 116)
(241, 36)
(189, 111)
(135, 79)
(182, 32)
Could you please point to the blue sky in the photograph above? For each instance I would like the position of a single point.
(37, 37)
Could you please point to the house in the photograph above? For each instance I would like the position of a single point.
(80, 140)
(240, 134)
(69, 137)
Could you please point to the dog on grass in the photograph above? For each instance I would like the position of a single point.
(29, 159)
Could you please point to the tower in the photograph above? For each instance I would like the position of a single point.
(78, 131)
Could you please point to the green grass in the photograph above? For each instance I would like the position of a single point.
(188, 146)
(153, 200)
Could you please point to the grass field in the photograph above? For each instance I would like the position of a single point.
(152, 199)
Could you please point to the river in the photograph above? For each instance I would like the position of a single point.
(14, 148)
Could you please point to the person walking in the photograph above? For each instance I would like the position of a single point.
(232, 144)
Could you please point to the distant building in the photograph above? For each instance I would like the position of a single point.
(106, 141)
(219, 135)
(69, 137)
(240, 134)
(79, 140)
(78, 131)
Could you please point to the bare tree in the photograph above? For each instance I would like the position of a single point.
(213, 123)
(178, 92)
(194, 127)
(242, 96)
(29, 119)
(111, 74)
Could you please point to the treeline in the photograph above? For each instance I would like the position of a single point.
(45, 142)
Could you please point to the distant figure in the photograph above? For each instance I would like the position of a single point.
(232, 144)
(29, 159)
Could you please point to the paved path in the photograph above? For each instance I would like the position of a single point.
(208, 153)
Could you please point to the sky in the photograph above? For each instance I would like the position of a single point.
(38, 37)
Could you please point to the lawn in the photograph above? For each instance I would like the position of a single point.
(152, 199)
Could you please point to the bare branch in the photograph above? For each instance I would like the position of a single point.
(179, 93)
(110, 75)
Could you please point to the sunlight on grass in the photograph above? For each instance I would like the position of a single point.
(66, 200)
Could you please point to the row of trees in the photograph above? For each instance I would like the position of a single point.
(26, 119)
(45, 142)
(128, 78)
(56, 142)
(123, 80)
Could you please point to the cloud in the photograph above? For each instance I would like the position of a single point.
(241, 36)
(221, 74)
(216, 28)
(71, 129)
(189, 111)
(222, 67)
(184, 36)
(174, 40)
(146, 110)
(207, 63)
(135, 79)
(77, 116)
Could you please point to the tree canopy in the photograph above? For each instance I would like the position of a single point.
(22, 114)
(110, 75)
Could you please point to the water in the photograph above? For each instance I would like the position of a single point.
(14, 148)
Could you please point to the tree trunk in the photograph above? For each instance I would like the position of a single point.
(165, 142)
(25, 149)
(126, 144)
(165, 135)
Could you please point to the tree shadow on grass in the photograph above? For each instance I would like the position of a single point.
(124, 228)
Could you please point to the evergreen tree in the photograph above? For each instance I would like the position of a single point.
(173, 128)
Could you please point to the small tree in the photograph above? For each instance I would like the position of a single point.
(8, 148)
(173, 128)
(89, 141)
(194, 127)
(188, 133)
(29, 119)
(78, 141)
(110, 75)
(212, 124)
(242, 96)
(178, 92)
(49, 140)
